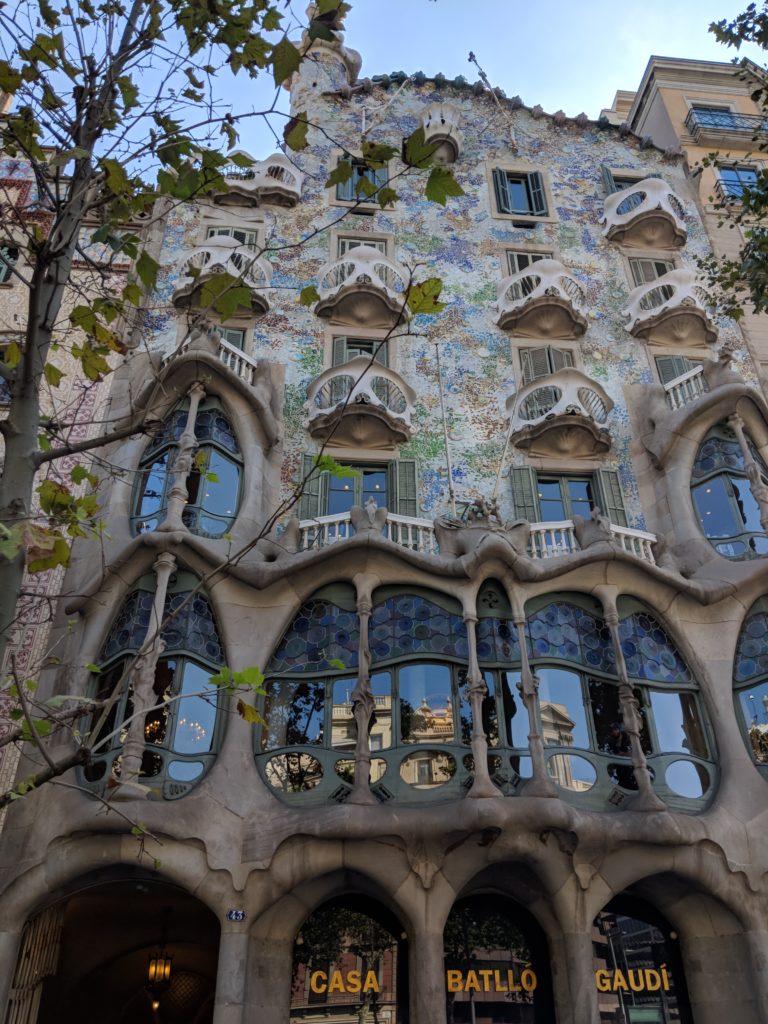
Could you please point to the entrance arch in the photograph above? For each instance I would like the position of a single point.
(87, 956)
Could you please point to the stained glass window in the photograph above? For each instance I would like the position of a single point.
(649, 652)
(321, 632)
(752, 648)
(412, 625)
(751, 679)
(497, 641)
(568, 632)
(193, 628)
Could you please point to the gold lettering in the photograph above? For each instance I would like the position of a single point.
(619, 981)
(511, 982)
(453, 981)
(497, 982)
(528, 980)
(317, 981)
(603, 981)
(371, 982)
(486, 976)
(337, 982)
(652, 980)
(665, 977)
(471, 983)
(635, 983)
(353, 981)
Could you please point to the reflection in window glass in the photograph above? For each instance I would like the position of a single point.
(515, 714)
(294, 713)
(293, 772)
(427, 769)
(678, 725)
(563, 720)
(426, 713)
(571, 772)
(606, 715)
(343, 730)
(754, 708)
(195, 715)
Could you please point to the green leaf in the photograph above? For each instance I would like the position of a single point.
(327, 464)
(336, 663)
(211, 478)
(441, 184)
(365, 187)
(46, 549)
(295, 132)
(250, 714)
(129, 92)
(342, 172)
(386, 196)
(116, 179)
(252, 677)
(417, 152)
(53, 374)
(147, 269)
(12, 354)
(285, 60)
(79, 473)
(10, 78)
(90, 667)
(422, 297)
(309, 295)
(377, 154)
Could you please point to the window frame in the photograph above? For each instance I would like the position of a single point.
(725, 187)
(536, 254)
(362, 204)
(230, 230)
(520, 169)
(9, 259)
(605, 483)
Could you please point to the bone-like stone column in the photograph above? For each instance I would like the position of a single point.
(482, 786)
(267, 981)
(540, 783)
(232, 974)
(426, 972)
(646, 799)
(142, 679)
(756, 485)
(574, 987)
(363, 703)
(182, 464)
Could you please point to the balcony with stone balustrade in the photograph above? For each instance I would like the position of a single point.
(275, 181)
(561, 415)
(363, 288)
(218, 256)
(542, 301)
(360, 403)
(670, 310)
(646, 215)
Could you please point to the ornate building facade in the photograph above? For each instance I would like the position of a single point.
(510, 763)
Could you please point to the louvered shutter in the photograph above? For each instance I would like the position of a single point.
(524, 494)
(608, 182)
(671, 367)
(312, 502)
(535, 363)
(403, 486)
(608, 495)
(345, 190)
(560, 358)
(538, 196)
(339, 351)
(501, 188)
(380, 177)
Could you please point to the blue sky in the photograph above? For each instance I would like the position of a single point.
(569, 54)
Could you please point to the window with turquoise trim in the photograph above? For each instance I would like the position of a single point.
(750, 678)
(725, 505)
(182, 732)
(213, 485)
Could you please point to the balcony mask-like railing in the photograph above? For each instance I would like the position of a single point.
(671, 308)
(544, 300)
(706, 124)
(645, 214)
(686, 388)
(223, 255)
(240, 363)
(363, 287)
(547, 540)
(274, 180)
(373, 401)
(561, 414)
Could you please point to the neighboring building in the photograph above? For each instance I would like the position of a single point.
(707, 107)
(512, 766)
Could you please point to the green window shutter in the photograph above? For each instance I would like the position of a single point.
(404, 488)
(501, 188)
(608, 183)
(561, 358)
(671, 367)
(608, 495)
(313, 501)
(339, 351)
(525, 494)
(535, 363)
(538, 196)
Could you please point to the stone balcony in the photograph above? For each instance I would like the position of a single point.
(647, 215)
(686, 388)
(670, 310)
(542, 301)
(222, 255)
(274, 180)
(364, 288)
(362, 403)
(561, 415)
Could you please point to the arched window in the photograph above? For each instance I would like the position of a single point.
(751, 681)
(581, 717)
(181, 734)
(213, 484)
(727, 509)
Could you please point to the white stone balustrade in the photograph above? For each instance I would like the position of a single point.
(274, 180)
(547, 540)
(223, 255)
(543, 300)
(363, 270)
(686, 388)
(361, 382)
(241, 364)
(563, 393)
(654, 308)
(646, 213)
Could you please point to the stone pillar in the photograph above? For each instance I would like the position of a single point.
(363, 703)
(268, 988)
(757, 943)
(540, 784)
(231, 974)
(575, 993)
(756, 485)
(10, 944)
(482, 786)
(182, 464)
(426, 974)
(142, 680)
(646, 799)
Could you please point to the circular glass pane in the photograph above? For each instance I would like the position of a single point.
(293, 772)
(687, 779)
(427, 769)
(571, 772)
(185, 771)
(345, 769)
